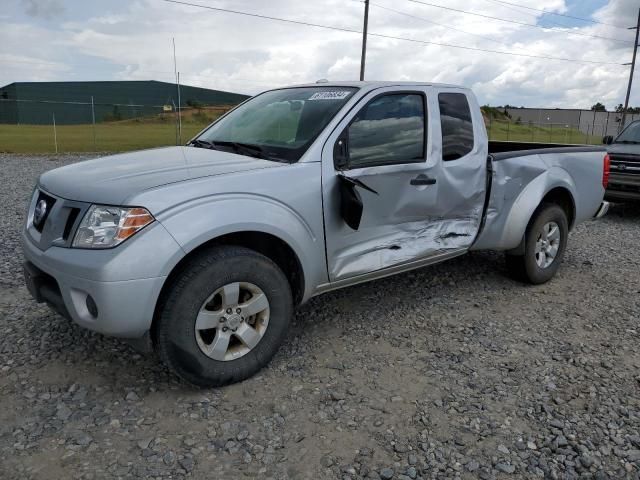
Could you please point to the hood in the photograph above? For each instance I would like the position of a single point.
(113, 179)
(628, 148)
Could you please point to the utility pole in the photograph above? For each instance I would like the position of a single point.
(55, 133)
(178, 113)
(93, 122)
(364, 39)
(633, 65)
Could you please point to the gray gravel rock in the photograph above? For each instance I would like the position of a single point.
(386, 473)
(453, 371)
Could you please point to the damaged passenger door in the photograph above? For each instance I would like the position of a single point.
(382, 179)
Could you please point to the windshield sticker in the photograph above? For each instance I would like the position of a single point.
(336, 95)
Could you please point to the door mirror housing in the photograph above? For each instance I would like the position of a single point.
(341, 152)
(351, 206)
(607, 139)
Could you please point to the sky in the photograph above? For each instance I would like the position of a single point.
(66, 40)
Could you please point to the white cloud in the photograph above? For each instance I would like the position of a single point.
(233, 52)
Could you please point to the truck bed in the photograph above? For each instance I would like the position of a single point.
(500, 150)
(523, 172)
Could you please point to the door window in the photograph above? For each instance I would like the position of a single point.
(456, 125)
(389, 130)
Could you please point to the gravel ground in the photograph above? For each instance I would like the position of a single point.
(455, 372)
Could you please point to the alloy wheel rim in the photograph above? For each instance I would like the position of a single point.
(232, 321)
(547, 244)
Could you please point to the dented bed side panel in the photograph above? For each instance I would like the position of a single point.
(521, 183)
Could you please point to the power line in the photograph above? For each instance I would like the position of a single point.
(265, 17)
(531, 14)
(534, 15)
(543, 57)
(448, 27)
(436, 23)
(559, 14)
(380, 35)
(532, 25)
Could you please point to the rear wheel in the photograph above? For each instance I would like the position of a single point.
(224, 317)
(545, 243)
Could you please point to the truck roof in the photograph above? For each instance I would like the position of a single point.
(369, 85)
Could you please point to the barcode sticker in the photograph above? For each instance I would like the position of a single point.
(337, 95)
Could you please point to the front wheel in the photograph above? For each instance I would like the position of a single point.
(545, 243)
(224, 316)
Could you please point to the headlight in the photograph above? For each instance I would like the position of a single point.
(106, 227)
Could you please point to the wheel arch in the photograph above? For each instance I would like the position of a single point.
(267, 244)
(553, 185)
(560, 196)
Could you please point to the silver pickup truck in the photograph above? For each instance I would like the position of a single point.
(203, 251)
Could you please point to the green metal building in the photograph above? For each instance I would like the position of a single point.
(71, 102)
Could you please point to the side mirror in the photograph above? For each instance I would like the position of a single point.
(341, 152)
(607, 139)
(351, 206)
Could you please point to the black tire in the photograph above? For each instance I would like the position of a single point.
(525, 267)
(175, 332)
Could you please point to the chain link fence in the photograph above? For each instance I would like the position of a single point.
(590, 134)
(59, 127)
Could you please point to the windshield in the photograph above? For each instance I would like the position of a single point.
(276, 125)
(631, 134)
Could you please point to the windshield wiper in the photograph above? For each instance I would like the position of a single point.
(628, 141)
(246, 149)
(200, 143)
(238, 147)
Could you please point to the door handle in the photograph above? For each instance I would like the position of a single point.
(422, 179)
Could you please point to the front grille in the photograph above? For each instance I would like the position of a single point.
(625, 163)
(624, 187)
(71, 220)
(57, 225)
(44, 204)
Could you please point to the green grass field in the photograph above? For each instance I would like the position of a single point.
(109, 137)
(135, 135)
(526, 133)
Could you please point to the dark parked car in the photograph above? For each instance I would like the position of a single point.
(624, 155)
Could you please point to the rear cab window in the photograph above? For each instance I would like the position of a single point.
(456, 125)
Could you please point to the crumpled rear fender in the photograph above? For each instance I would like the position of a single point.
(514, 199)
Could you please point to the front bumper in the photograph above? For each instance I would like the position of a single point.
(623, 187)
(121, 309)
(114, 291)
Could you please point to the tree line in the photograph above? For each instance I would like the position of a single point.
(599, 107)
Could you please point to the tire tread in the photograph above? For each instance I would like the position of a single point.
(208, 260)
(523, 267)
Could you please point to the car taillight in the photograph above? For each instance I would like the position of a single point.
(606, 168)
